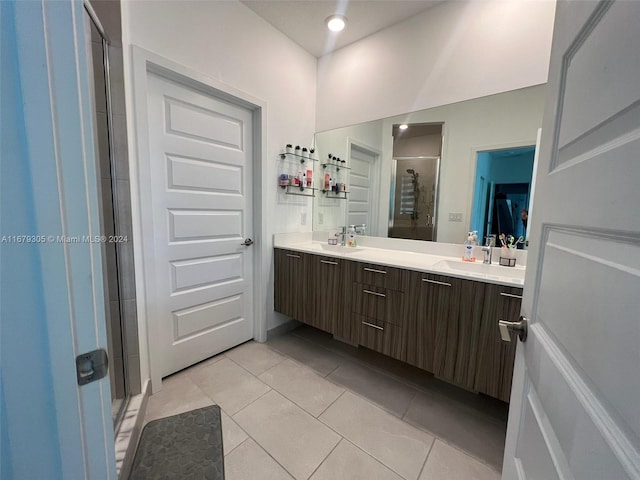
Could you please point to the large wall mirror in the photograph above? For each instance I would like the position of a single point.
(438, 173)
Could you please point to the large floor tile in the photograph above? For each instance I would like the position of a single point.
(255, 357)
(302, 386)
(446, 462)
(349, 462)
(232, 434)
(229, 385)
(250, 462)
(392, 395)
(179, 394)
(294, 438)
(480, 433)
(313, 356)
(398, 445)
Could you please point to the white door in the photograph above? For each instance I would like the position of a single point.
(201, 156)
(575, 403)
(51, 301)
(361, 199)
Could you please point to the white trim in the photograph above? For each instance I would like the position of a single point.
(143, 62)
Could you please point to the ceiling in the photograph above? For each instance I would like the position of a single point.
(303, 21)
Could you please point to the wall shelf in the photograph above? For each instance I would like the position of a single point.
(334, 166)
(298, 190)
(334, 194)
(296, 158)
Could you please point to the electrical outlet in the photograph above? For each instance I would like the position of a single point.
(303, 218)
(455, 217)
(320, 218)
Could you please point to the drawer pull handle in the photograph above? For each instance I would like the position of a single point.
(510, 295)
(328, 262)
(372, 325)
(374, 293)
(374, 270)
(445, 284)
(293, 256)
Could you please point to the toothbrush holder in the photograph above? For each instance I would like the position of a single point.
(508, 261)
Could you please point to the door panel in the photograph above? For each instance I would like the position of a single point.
(201, 158)
(576, 388)
(361, 182)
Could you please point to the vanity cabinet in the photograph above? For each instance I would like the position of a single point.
(375, 313)
(327, 293)
(445, 325)
(291, 284)
(495, 357)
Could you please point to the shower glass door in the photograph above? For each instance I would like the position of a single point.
(414, 197)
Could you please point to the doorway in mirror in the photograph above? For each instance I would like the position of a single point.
(502, 191)
(414, 182)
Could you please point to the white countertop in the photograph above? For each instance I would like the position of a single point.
(418, 261)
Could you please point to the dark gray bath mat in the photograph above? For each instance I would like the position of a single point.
(187, 446)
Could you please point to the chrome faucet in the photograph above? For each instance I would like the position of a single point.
(343, 236)
(487, 250)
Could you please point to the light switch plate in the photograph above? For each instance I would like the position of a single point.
(455, 217)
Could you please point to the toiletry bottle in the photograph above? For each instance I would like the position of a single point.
(297, 150)
(351, 242)
(305, 152)
(309, 178)
(288, 148)
(468, 249)
(303, 180)
(326, 181)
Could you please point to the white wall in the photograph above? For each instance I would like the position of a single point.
(452, 52)
(336, 142)
(230, 44)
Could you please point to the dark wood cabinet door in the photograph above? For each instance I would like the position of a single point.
(495, 358)
(291, 284)
(430, 307)
(377, 303)
(463, 333)
(328, 292)
(384, 337)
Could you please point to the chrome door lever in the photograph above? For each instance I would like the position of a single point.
(521, 327)
(247, 242)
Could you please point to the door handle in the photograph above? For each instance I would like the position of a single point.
(521, 328)
(247, 242)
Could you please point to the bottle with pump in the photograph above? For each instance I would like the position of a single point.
(468, 248)
(351, 242)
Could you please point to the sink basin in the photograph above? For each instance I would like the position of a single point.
(339, 248)
(482, 269)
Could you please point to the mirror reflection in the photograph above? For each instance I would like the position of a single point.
(466, 166)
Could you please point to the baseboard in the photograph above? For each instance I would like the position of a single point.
(128, 434)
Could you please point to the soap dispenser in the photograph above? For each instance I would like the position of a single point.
(468, 248)
(352, 236)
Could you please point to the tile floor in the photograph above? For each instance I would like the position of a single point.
(305, 406)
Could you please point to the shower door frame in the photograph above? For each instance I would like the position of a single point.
(93, 17)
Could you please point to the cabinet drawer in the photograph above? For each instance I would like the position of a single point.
(379, 276)
(378, 303)
(383, 337)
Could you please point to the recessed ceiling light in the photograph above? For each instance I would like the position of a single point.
(404, 126)
(336, 23)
